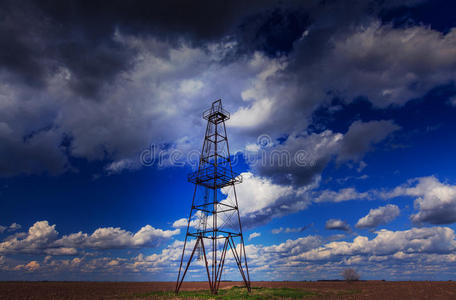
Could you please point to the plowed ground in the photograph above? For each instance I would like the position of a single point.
(148, 290)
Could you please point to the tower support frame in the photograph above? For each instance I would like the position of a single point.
(215, 173)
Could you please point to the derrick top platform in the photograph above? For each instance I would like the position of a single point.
(216, 113)
(215, 177)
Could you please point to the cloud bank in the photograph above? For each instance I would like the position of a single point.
(43, 238)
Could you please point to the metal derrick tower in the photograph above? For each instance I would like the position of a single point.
(214, 223)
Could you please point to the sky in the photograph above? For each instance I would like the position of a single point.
(342, 126)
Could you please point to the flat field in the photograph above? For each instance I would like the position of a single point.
(231, 290)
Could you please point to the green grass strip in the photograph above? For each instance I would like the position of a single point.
(234, 293)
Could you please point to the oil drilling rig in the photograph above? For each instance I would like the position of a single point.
(214, 224)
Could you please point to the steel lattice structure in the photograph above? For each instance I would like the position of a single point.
(214, 218)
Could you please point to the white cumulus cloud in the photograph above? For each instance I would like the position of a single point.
(379, 216)
(434, 200)
(254, 235)
(43, 238)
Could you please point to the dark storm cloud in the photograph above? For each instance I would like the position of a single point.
(273, 31)
(35, 45)
(21, 43)
(295, 161)
(300, 160)
(38, 37)
(93, 65)
(361, 136)
(54, 55)
(149, 63)
(40, 153)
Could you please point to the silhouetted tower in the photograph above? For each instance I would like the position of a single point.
(214, 223)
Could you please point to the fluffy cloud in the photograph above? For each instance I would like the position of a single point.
(416, 240)
(345, 194)
(300, 159)
(90, 126)
(38, 238)
(405, 53)
(254, 235)
(13, 227)
(367, 59)
(295, 246)
(260, 199)
(31, 266)
(308, 256)
(183, 223)
(350, 63)
(435, 201)
(43, 238)
(288, 229)
(112, 238)
(336, 224)
(379, 216)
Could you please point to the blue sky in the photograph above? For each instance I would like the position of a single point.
(359, 96)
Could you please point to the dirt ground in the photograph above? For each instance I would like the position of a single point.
(326, 290)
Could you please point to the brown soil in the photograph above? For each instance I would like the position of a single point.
(327, 290)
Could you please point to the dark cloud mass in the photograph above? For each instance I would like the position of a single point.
(109, 75)
(22, 43)
(300, 160)
(361, 136)
(40, 36)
